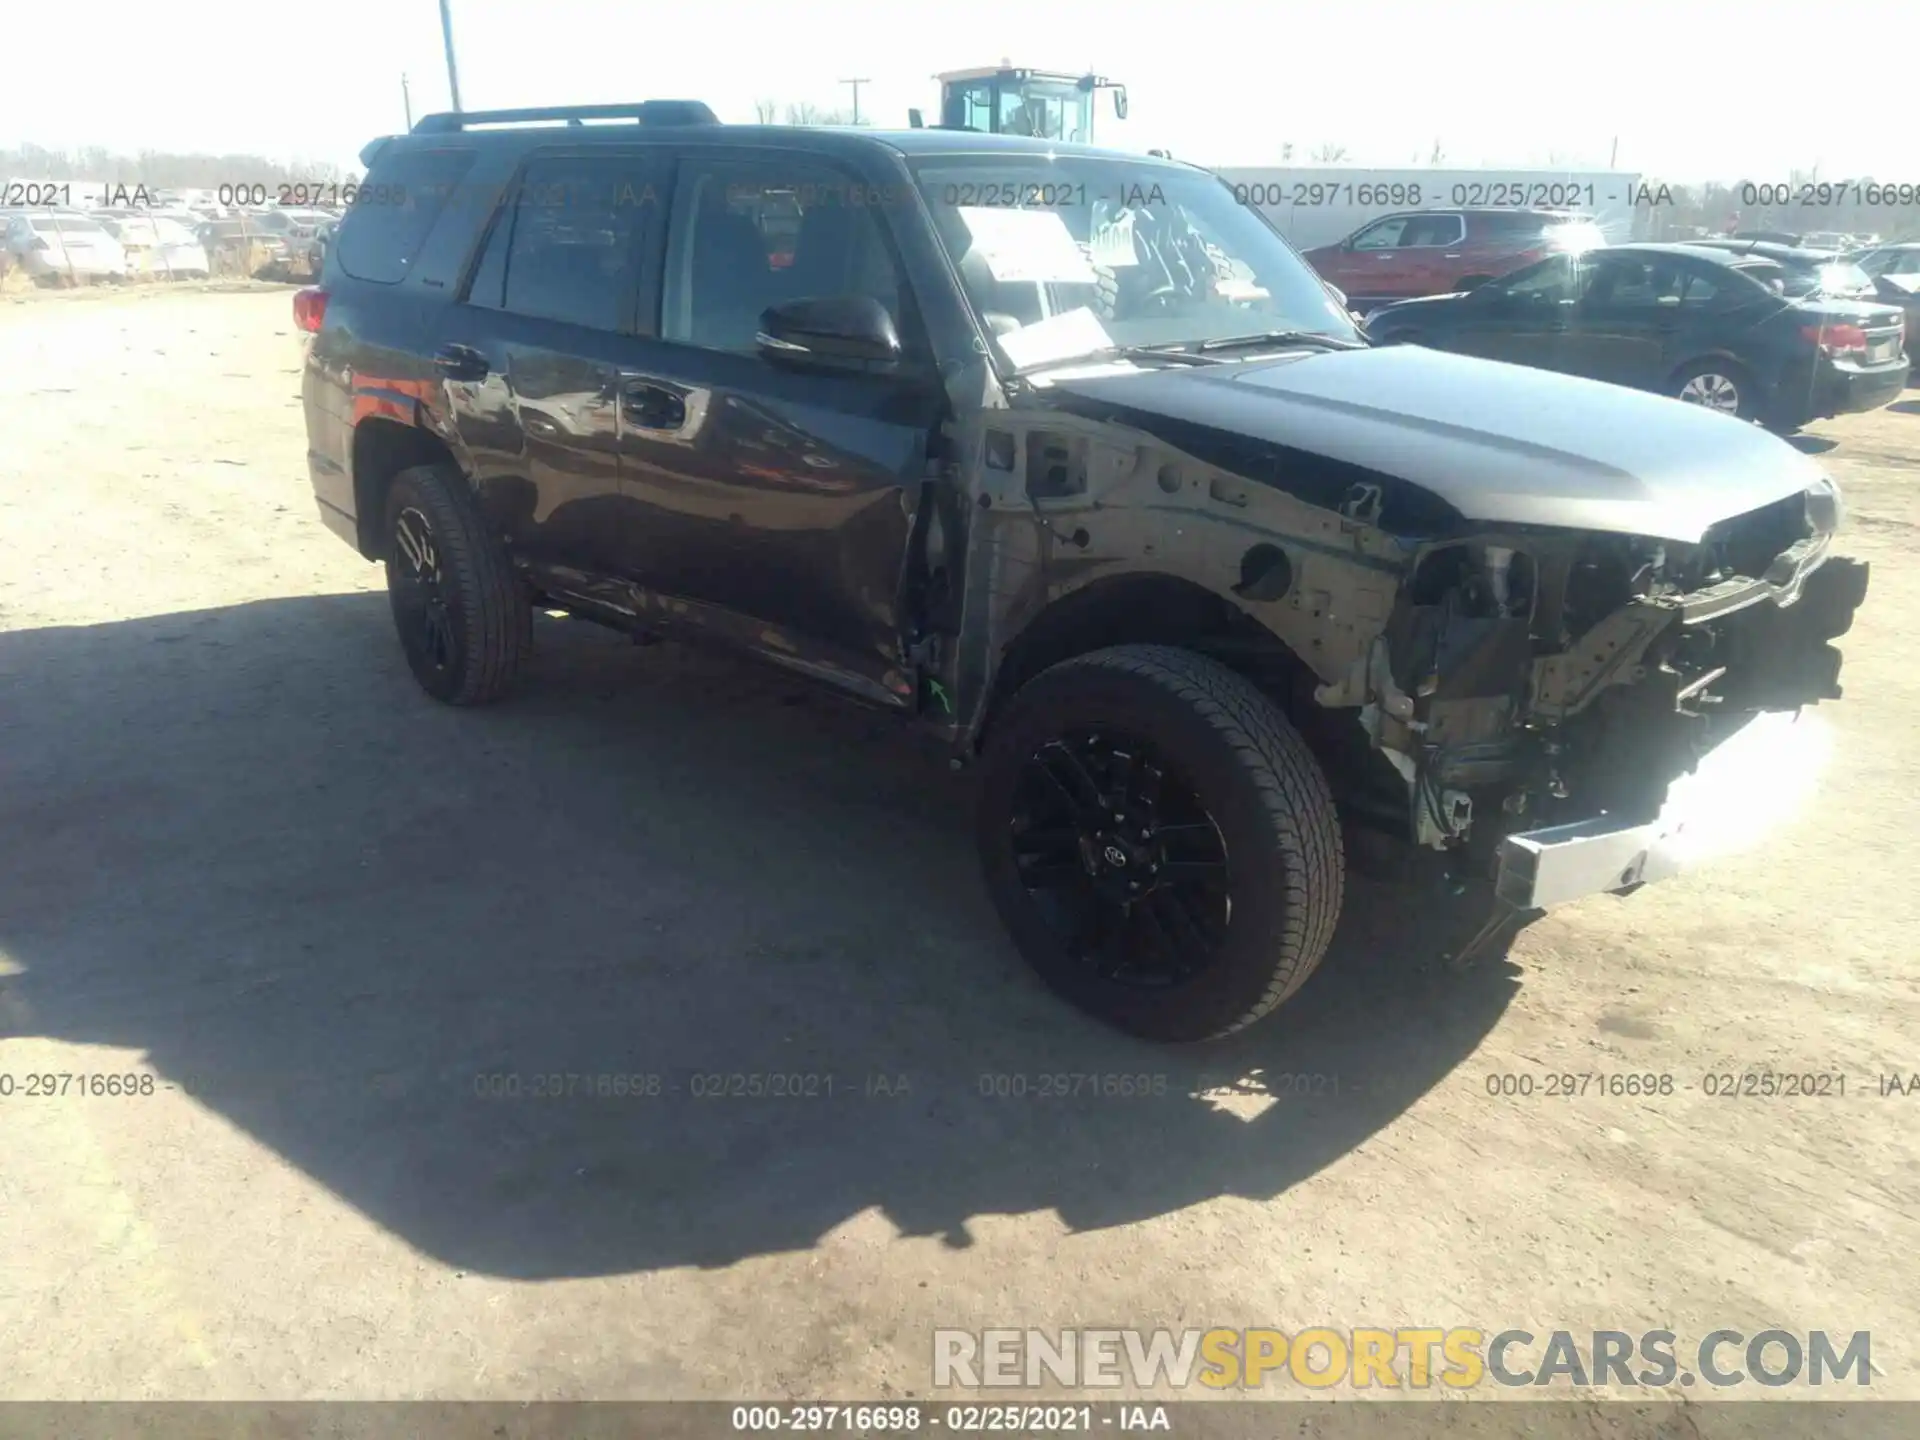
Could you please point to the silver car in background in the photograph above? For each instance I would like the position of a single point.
(61, 245)
(159, 246)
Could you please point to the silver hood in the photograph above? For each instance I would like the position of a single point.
(1501, 443)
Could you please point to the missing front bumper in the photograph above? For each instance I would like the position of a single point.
(1751, 784)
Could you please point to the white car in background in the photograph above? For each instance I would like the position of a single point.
(158, 245)
(63, 245)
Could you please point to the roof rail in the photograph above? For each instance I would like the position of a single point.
(647, 112)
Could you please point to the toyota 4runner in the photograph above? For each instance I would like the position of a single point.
(1068, 457)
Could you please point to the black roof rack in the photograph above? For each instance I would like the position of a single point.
(646, 112)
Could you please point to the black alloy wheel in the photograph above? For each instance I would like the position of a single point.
(1159, 841)
(465, 620)
(420, 607)
(1116, 850)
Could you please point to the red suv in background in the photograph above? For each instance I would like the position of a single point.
(1435, 252)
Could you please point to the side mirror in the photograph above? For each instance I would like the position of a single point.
(1120, 101)
(837, 332)
(1338, 294)
(914, 120)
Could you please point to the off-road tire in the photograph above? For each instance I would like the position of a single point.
(1255, 776)
(490, 613)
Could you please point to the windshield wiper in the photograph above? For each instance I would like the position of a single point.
(1179, 354)
(1282, 337)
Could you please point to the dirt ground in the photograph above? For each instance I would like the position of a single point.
(242, 853)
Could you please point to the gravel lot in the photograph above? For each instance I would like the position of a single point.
(240, 851)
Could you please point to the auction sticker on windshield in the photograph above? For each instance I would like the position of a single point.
(1113, 241)
(1061, 337)
(1026, 246)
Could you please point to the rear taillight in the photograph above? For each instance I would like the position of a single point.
(310, 309)
(1836, 340)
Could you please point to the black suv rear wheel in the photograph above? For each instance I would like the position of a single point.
(1160, 841)
(465, 622)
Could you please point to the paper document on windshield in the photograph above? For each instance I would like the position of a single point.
(1026, 245)
(1062, 337)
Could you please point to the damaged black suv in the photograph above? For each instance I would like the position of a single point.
(1067, 456)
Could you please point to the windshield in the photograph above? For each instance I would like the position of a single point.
(1066, 256)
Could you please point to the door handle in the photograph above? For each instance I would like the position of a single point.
(461, 362)
(1451, 255)
(652, 406)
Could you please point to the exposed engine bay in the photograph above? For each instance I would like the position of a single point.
(1480, 669)
(1528, 680)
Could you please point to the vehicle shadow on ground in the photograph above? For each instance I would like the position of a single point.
(1906, 407)
(243, 843)
(1811, 444)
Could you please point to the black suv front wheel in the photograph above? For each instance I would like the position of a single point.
(464, 620)
(1159, 841)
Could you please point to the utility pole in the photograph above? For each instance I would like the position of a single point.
(856, 84)
(453, 73)
(406, 99)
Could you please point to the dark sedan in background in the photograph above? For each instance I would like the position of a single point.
(1710, 327)
(1896, 281)
(1808, 271)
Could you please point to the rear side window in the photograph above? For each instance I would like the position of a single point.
(395, 210)
(1518, 226)
(1432, 231)
(564, 248)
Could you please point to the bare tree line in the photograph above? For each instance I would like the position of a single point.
(163, 169)
(804, 112)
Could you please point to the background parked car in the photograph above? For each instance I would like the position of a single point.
(1807, 271)
(317, 246)
(238, 246)
(158, 246)
(296, 227)
(1901, 258)
(1896, 281)
(63, 246)
(1707, 326)
(1433, 252)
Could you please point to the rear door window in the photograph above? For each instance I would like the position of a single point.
(1433, 231)
(566, 248)
(394, 211)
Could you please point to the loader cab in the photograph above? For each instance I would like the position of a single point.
(1009, 101)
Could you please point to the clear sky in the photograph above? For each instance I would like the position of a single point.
(1720, 89)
